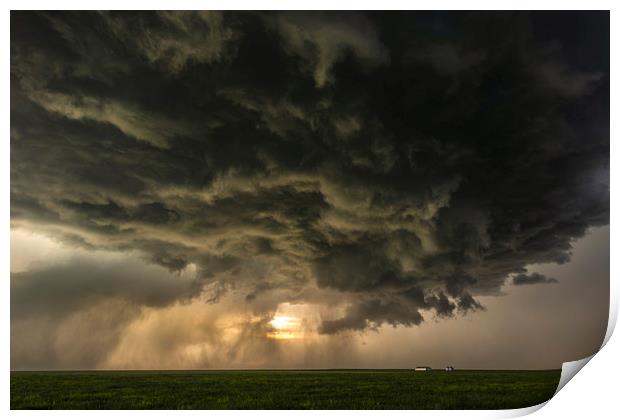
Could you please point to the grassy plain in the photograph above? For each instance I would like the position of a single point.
(282, 389)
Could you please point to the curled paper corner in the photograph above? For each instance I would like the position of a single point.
(569, 370)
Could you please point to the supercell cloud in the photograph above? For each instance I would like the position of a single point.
(398, 165)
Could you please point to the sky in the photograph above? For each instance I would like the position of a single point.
(233, 190)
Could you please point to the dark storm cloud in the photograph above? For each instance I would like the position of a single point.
(372, 313)
(72, 315)
(63, 289)
(410, 161)
(534, 278)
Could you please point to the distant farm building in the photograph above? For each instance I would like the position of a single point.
(423, 369)
(449, 368)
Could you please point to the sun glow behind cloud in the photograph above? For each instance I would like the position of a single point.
(289, 322)
(285, 328)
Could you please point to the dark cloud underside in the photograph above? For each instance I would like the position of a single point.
(409, 161)
(534, 278)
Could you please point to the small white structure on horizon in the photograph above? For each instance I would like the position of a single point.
(423, 369)
(449, 368)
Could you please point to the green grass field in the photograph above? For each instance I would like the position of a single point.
(309, 389)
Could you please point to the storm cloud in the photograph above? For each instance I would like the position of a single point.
(401, 164)
(534, 278)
